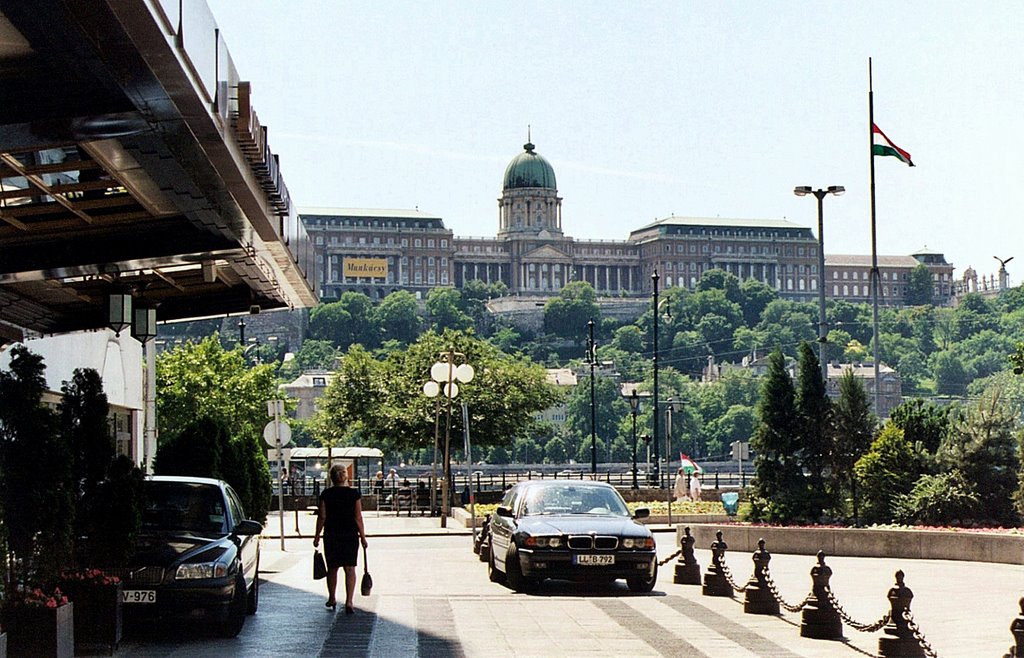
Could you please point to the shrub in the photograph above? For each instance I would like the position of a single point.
(938, 500)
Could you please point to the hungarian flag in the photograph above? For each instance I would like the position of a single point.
(688, 465)
(882, 145)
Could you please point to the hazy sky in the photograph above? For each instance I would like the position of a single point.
(648, 109)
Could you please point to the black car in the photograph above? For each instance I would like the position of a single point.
(572, 530)
(197, 555)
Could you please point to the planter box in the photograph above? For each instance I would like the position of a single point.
(41, 632)
(3, 645)
(98, 613)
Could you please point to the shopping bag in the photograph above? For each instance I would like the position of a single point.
(367, 582)
(319, 566)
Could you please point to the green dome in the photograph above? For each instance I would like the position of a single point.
(529, 170)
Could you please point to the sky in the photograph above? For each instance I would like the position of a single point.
(652, 109)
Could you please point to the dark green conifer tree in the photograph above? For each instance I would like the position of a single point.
(814, 428)
(778, 486)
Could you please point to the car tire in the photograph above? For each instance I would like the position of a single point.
(514, 572)
(252, 602)
(493, 574)
(643, 584)
(235, 619)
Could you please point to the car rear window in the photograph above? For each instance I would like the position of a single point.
(183, 506)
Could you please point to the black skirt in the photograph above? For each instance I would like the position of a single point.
(341, 550)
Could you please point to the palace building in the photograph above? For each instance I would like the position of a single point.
(380, 251)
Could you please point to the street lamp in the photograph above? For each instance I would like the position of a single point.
(444, 378)
(835, 190)
(241, 332)
(592, 360)
(634, 407)
(655, 474)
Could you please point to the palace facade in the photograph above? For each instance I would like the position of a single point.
(379, 251)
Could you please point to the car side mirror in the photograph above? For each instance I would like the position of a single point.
(641, 513)
(248, 528)
(503, 511)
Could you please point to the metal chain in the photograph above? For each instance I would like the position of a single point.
(775, 592)
(918, 635)
(732, 583)
(662, 563)
(855, 625)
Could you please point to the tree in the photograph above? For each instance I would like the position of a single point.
(567, 315)
(35, 476)
(610, 407)
(391, 412)
(443, 308)
(316, 355)
(920, 289)
(854, 425)
(982, 445)
(555, 451)
(951, 377)
(629, 339)
(756, 295)
(349, 320)
(204, 381)
(778, 490)
(888, 470)
(398, 317)
(922, 422)
(814, 427)
(350, 399)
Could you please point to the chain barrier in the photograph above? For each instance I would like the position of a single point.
(778, 597)
(728, 579)
(850, 621)
(662, 563)
(918, 635)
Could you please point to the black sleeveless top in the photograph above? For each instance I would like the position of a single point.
(341, 510)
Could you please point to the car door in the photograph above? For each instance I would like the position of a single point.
(248, 545)
(502, 528)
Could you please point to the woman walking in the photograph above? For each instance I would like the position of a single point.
(341, 521)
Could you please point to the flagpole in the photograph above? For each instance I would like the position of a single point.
(874, 251)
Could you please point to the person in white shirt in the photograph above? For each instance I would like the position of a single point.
(680, 490)
(391, 481)
(695, 487)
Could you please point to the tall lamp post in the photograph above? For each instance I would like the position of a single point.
(819, 194)
(592, 360)
(655, 473)
(445, 377)
(634, 407)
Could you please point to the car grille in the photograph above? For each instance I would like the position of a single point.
(139, 576)
(587, 542)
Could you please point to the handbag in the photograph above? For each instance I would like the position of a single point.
(319, 566)
(367, 582)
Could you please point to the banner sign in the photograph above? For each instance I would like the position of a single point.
(374, 268)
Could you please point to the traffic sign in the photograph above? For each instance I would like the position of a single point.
(283, 432)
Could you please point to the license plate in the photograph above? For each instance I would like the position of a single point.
(138, 596)
(595, 560)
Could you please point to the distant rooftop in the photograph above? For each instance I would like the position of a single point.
(723, 222)
(859, 260)
(368, 212)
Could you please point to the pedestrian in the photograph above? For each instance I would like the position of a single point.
(378, 483)
(391, 481)
(341, 521)
(695, 487)
(680, 490)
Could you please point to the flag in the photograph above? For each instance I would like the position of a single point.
(688, 465)
(882, 145)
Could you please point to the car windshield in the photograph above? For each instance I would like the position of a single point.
(183, 506)
(573, 499)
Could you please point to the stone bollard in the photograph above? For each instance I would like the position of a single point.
(819, 619)
(1017, 630)
(898, 639)
(687, 568)
(715, 581)
(759, 598)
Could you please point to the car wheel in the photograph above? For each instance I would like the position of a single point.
(643, 583)
(253, 600)
(514, 573)
(235, 619)
(493, 574)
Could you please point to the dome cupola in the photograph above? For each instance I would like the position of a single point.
(528, 169)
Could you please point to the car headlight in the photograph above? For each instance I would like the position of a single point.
(198, 570)
(638, 542)
(544, 542)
